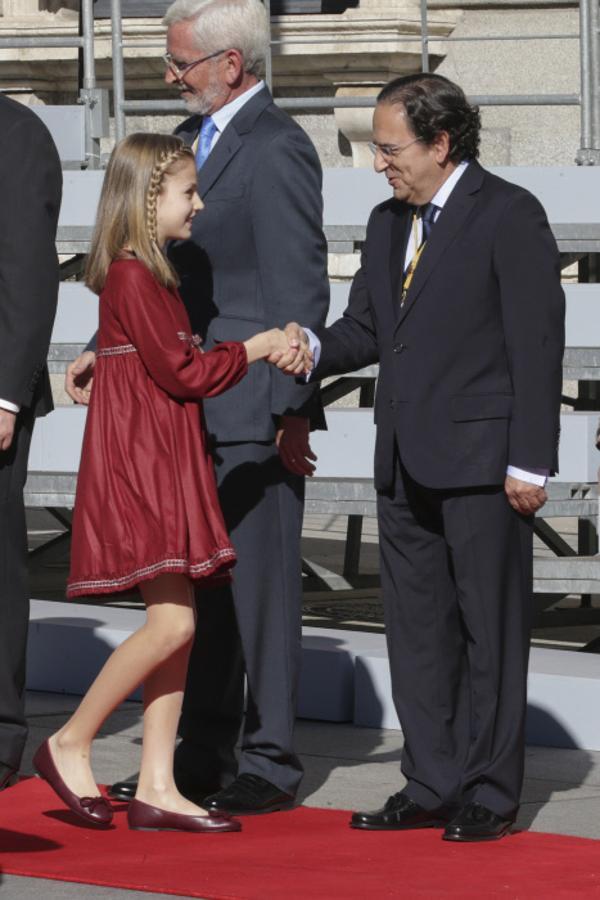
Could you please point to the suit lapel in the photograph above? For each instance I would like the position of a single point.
(448, 225)
(188, 130)
(218, 159)
(229, 142)
(381, 259)
(399, 239)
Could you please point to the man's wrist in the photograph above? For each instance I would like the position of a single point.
(9, 406)
(538, 477)
(314, 345)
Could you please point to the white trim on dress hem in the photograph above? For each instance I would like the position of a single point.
(139, 574)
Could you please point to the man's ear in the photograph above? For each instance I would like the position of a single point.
(441, 147)
(234, 67)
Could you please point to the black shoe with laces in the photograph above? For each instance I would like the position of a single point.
(401, 813)
(476, 822)
(248, 795)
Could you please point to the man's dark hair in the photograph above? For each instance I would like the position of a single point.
(434, 104)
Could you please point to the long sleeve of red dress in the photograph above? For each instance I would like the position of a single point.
(156, 322)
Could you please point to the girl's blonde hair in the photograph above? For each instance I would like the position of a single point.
(128, 203)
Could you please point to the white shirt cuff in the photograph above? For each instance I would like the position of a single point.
(314, 345)
(11, 407)
(533, 476)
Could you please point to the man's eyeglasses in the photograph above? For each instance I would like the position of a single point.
(390, 151)
(179, 69)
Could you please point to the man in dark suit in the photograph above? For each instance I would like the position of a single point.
(257, 258)
(30, 186)
(459, 300)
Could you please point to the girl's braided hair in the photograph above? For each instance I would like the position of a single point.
(165, 162)
(127, 212)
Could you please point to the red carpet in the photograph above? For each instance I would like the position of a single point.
(307, 853)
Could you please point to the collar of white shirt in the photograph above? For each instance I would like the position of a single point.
(441, 198)
(222, 117)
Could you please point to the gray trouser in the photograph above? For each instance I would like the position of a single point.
(252, 627)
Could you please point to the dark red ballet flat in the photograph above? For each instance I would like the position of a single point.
(143, 817)
(93, 810)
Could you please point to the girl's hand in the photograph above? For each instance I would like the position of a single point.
(291, 353)
(273, 345)
(79, 377)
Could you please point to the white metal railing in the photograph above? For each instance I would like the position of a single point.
(588, 99)
(96, 100)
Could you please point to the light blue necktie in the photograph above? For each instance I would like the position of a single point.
(205, 137)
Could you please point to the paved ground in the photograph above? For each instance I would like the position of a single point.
(346, 768)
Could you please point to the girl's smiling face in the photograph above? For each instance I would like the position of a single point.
(177, 204)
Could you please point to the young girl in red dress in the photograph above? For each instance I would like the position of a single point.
(146, 510)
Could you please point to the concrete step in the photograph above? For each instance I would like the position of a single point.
(345, 674)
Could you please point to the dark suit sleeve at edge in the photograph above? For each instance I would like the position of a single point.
(292, 252)
(30, 186)
(351, 342)
(527, 265)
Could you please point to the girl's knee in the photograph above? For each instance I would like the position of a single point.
(174, 632)
(183, 632)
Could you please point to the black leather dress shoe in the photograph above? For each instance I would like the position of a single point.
(126, 790)
(8, 776)
(477, 823)
(400, 812)
(248, 795)
(122, 790)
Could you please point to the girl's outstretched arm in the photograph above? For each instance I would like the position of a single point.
(150, 319)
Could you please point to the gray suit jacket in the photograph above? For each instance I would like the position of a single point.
(257, 259)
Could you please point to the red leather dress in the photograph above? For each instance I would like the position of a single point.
(146, 494)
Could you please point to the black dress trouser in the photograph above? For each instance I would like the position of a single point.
(456, 573)
(14, 593)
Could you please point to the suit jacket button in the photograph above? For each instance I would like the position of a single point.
(398, 348)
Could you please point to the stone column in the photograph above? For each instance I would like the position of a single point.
(356, 52)
(392, 47)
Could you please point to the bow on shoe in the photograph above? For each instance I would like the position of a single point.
(92, 803)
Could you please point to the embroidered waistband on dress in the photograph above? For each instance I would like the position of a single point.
(116, 351)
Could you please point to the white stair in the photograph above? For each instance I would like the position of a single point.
(345, 674)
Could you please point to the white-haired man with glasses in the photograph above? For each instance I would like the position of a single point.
(257, 258)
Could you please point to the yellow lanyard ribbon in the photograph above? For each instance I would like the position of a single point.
(410, 273)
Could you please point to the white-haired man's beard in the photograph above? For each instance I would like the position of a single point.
(207, 101)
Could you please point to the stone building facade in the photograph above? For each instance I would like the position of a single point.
(350, 53)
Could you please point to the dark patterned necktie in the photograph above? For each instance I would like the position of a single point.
(427, 214)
